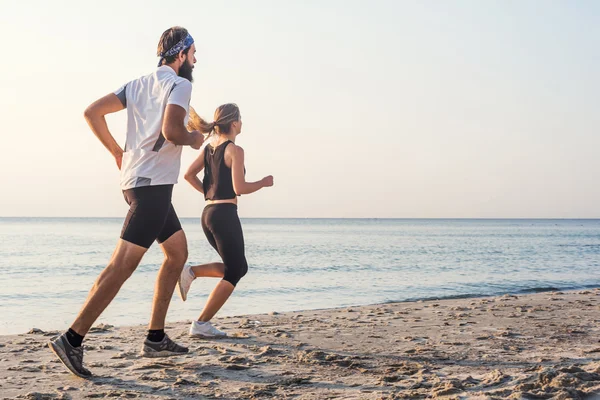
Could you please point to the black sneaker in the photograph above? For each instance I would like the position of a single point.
(164, 348)
(71, 357)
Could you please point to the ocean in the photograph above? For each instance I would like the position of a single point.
(48, 265)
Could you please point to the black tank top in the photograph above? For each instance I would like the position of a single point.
(217, 184)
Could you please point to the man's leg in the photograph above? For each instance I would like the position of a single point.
(148, 210)
(174, 244)
(176, 253)
(124, 261)
(67, 346)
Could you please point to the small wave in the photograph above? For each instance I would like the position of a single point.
(540, 289)
(495, 293)
(286, 290)
(594, 246)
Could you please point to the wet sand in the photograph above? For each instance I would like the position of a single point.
(538, 346)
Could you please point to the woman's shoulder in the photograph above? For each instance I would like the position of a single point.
(233, 149)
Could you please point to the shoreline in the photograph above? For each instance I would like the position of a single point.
(527, 291)
(542, 345)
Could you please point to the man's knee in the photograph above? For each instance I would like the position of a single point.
(125, 259)
(175, 248)
(177, 256)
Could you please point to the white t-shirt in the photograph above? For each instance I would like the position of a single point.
(149, 159)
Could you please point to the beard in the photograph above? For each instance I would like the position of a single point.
(185, 71)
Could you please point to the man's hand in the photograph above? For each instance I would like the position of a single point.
(175, 131)
(198, 139)
(119, 160)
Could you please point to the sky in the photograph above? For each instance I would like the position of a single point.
(359, 109)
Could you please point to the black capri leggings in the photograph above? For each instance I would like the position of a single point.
(223, 230)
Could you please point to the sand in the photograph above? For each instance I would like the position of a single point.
(537, 346)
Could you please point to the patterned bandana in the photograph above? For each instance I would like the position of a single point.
(181, 45)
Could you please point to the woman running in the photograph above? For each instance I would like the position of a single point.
(224, 179)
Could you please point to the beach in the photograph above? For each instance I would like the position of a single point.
(543, 345)
(430, 230)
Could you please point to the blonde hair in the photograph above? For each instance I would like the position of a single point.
(224, 116)
(197, 123)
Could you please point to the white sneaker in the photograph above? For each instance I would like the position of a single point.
(185, 281)
(205, 330)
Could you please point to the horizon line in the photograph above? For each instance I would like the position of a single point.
(332, 218)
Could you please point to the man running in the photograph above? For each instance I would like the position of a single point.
(157, 113)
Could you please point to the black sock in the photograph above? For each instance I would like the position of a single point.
(74, 338)
(156, 335)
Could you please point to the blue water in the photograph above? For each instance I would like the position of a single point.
(47, 265)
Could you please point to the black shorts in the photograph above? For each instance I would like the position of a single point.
(151, 215)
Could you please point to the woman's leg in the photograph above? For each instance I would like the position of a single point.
(215, 269)
(210, 270)
(226, 229)
(217, 298)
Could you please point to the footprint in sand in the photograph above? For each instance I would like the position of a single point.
(101, 328)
